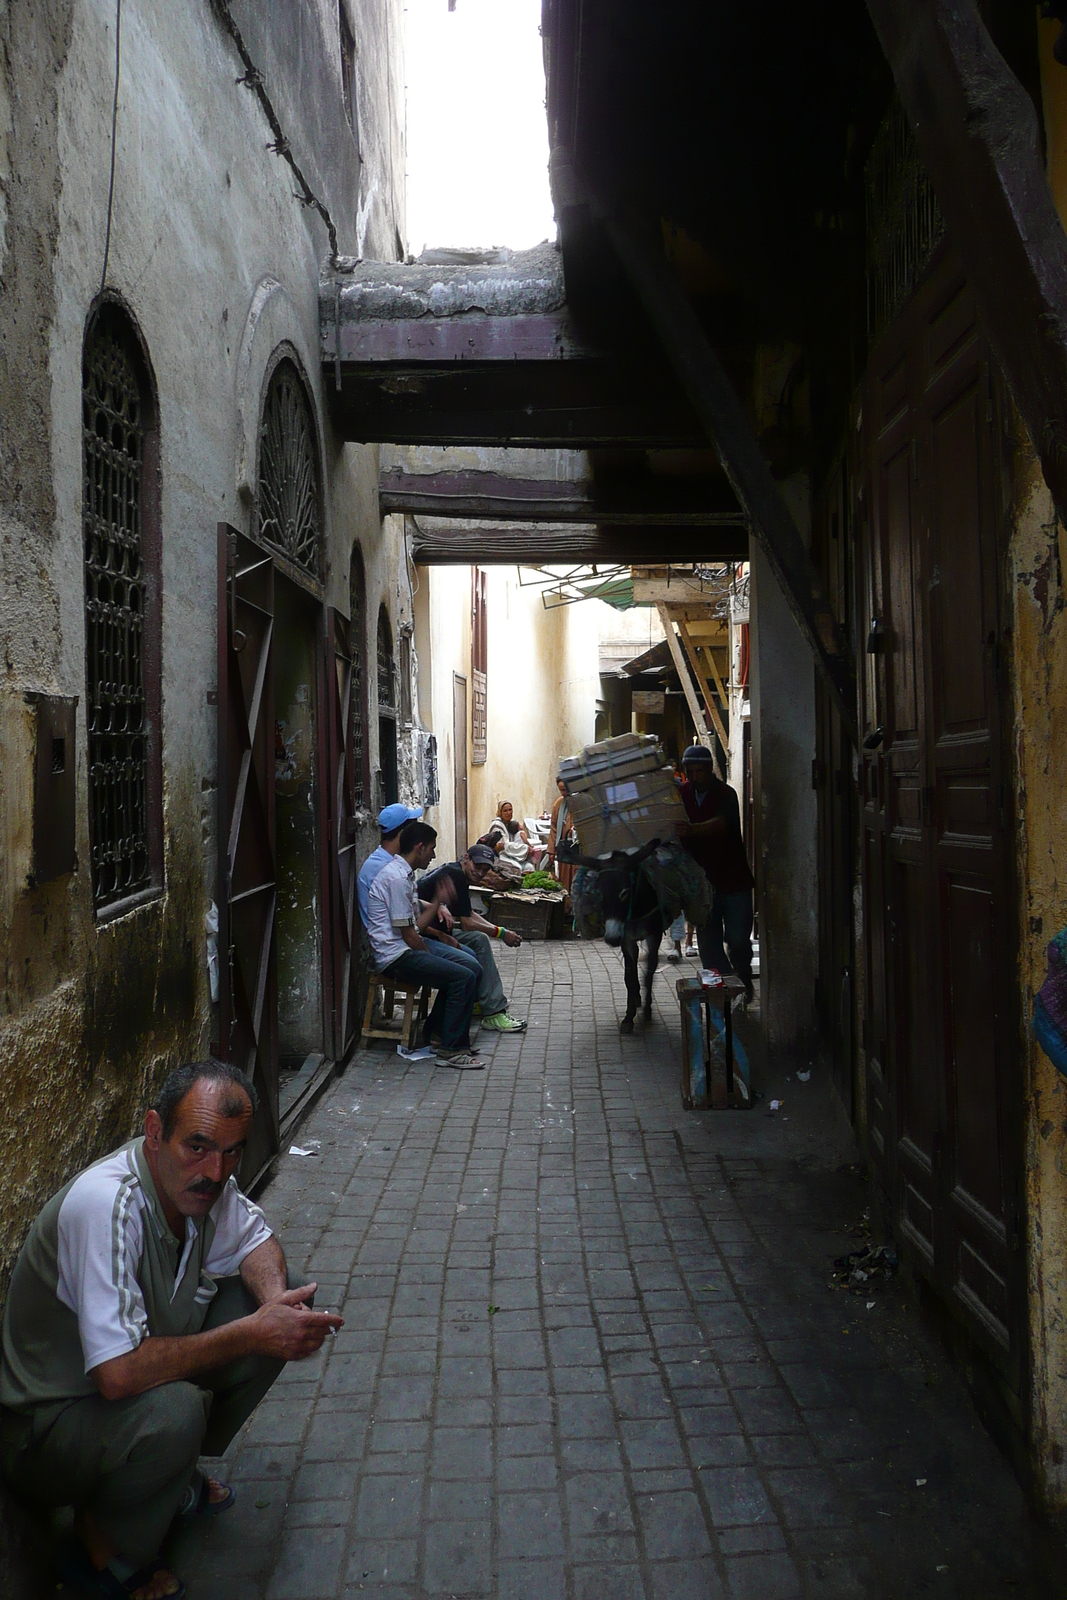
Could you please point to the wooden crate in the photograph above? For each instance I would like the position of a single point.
(528, 914)
(709, 1075)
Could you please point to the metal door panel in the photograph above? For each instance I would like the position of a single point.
(343, 865)
(247, 892)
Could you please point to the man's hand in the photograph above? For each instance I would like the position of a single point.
(511, 938)
(286, 1329)
(446, 917)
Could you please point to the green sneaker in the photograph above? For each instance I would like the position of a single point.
(502, 1023)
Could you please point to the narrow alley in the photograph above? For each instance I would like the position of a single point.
(590, 1350)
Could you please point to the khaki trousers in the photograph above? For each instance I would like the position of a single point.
(129, 1462)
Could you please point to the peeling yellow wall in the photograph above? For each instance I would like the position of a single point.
(1038, 551)
(1038, 554)
(542, 687)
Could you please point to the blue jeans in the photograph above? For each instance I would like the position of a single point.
(455, 975)
(728, 928)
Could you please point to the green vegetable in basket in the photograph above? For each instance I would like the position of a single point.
(539, 880)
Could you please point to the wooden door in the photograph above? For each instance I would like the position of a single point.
(459, 749)
(340, 790)
(943, 1079)
(832, 779)
(247, 893)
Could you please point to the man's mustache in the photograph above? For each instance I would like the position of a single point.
(205, 1186)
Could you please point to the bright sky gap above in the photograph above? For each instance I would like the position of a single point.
(477, 137)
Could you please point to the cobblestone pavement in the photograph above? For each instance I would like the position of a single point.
(590, 1350)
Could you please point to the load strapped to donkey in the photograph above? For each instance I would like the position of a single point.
(635, 879)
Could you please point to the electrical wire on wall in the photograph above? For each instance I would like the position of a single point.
(114, 129)
(253, 79)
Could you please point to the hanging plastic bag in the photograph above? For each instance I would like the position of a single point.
(1050, 1006)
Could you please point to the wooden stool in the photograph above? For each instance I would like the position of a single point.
(404, 1032)
(708, 1077)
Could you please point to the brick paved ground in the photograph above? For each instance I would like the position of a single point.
(590, 1351)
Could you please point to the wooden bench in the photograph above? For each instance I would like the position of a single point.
(402, 1031)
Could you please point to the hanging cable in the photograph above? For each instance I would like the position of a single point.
(114, 128)
(253, 79)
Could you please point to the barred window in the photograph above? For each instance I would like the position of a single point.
(288, 503)
(357, 647)
(121, 546)
(386, 666)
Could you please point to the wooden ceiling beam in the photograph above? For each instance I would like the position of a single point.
(705, 381)
(552, 545)
(473, 494)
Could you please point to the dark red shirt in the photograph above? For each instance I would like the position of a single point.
(722, 855)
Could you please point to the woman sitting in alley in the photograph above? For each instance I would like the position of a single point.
(509, 839)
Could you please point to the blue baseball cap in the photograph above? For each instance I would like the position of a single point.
(396, 815)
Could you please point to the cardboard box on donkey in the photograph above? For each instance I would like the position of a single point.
(622, 796)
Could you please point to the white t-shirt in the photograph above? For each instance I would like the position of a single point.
(367, 873)
(100, 1271)
(392, 904)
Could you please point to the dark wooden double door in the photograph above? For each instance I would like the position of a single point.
(250, 873)
(943, 1090)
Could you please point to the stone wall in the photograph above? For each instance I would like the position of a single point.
(218, 265)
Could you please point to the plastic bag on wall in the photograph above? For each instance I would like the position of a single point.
(1050, 1006)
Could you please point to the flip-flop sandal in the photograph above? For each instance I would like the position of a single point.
(462, 1062)
(72, 1565)
(205, 1506)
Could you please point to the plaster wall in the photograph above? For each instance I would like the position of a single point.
(1037, 558)
(1038, 617)
(219, 266)
(782, 704)
(542, 685)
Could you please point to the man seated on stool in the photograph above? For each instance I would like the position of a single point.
(390, 821)
(395, 922)
(473, 932)
(123, 1358)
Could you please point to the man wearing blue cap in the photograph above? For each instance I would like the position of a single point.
(390, 821)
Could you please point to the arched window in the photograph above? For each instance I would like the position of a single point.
(387, 710)
(289, 500)
(357, 646)
(121, 544)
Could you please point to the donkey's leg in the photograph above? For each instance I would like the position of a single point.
(633, 984)
(652, 944)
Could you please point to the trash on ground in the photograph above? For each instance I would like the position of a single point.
(802, 1077)
(298, 1150)
(861, 1269)
(920, 1483)
(775, 1105)
(423, 1053)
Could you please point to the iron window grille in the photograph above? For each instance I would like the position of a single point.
(289, 503)
(119, 526)
(904, 220)
(386, 667)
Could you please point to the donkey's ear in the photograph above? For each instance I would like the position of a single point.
(574, 858)
(646, 850)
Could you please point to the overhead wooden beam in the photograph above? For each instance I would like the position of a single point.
(710, 653)
(550, 545)
(710, 392)
(686, 680)
(705, 687)
(978, 136)
(492, 495)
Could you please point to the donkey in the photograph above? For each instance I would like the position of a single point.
(631, 916)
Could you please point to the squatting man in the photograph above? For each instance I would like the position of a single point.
(149, 1313)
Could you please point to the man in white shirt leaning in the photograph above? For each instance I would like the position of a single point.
(149, 1313)
(395, 920)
